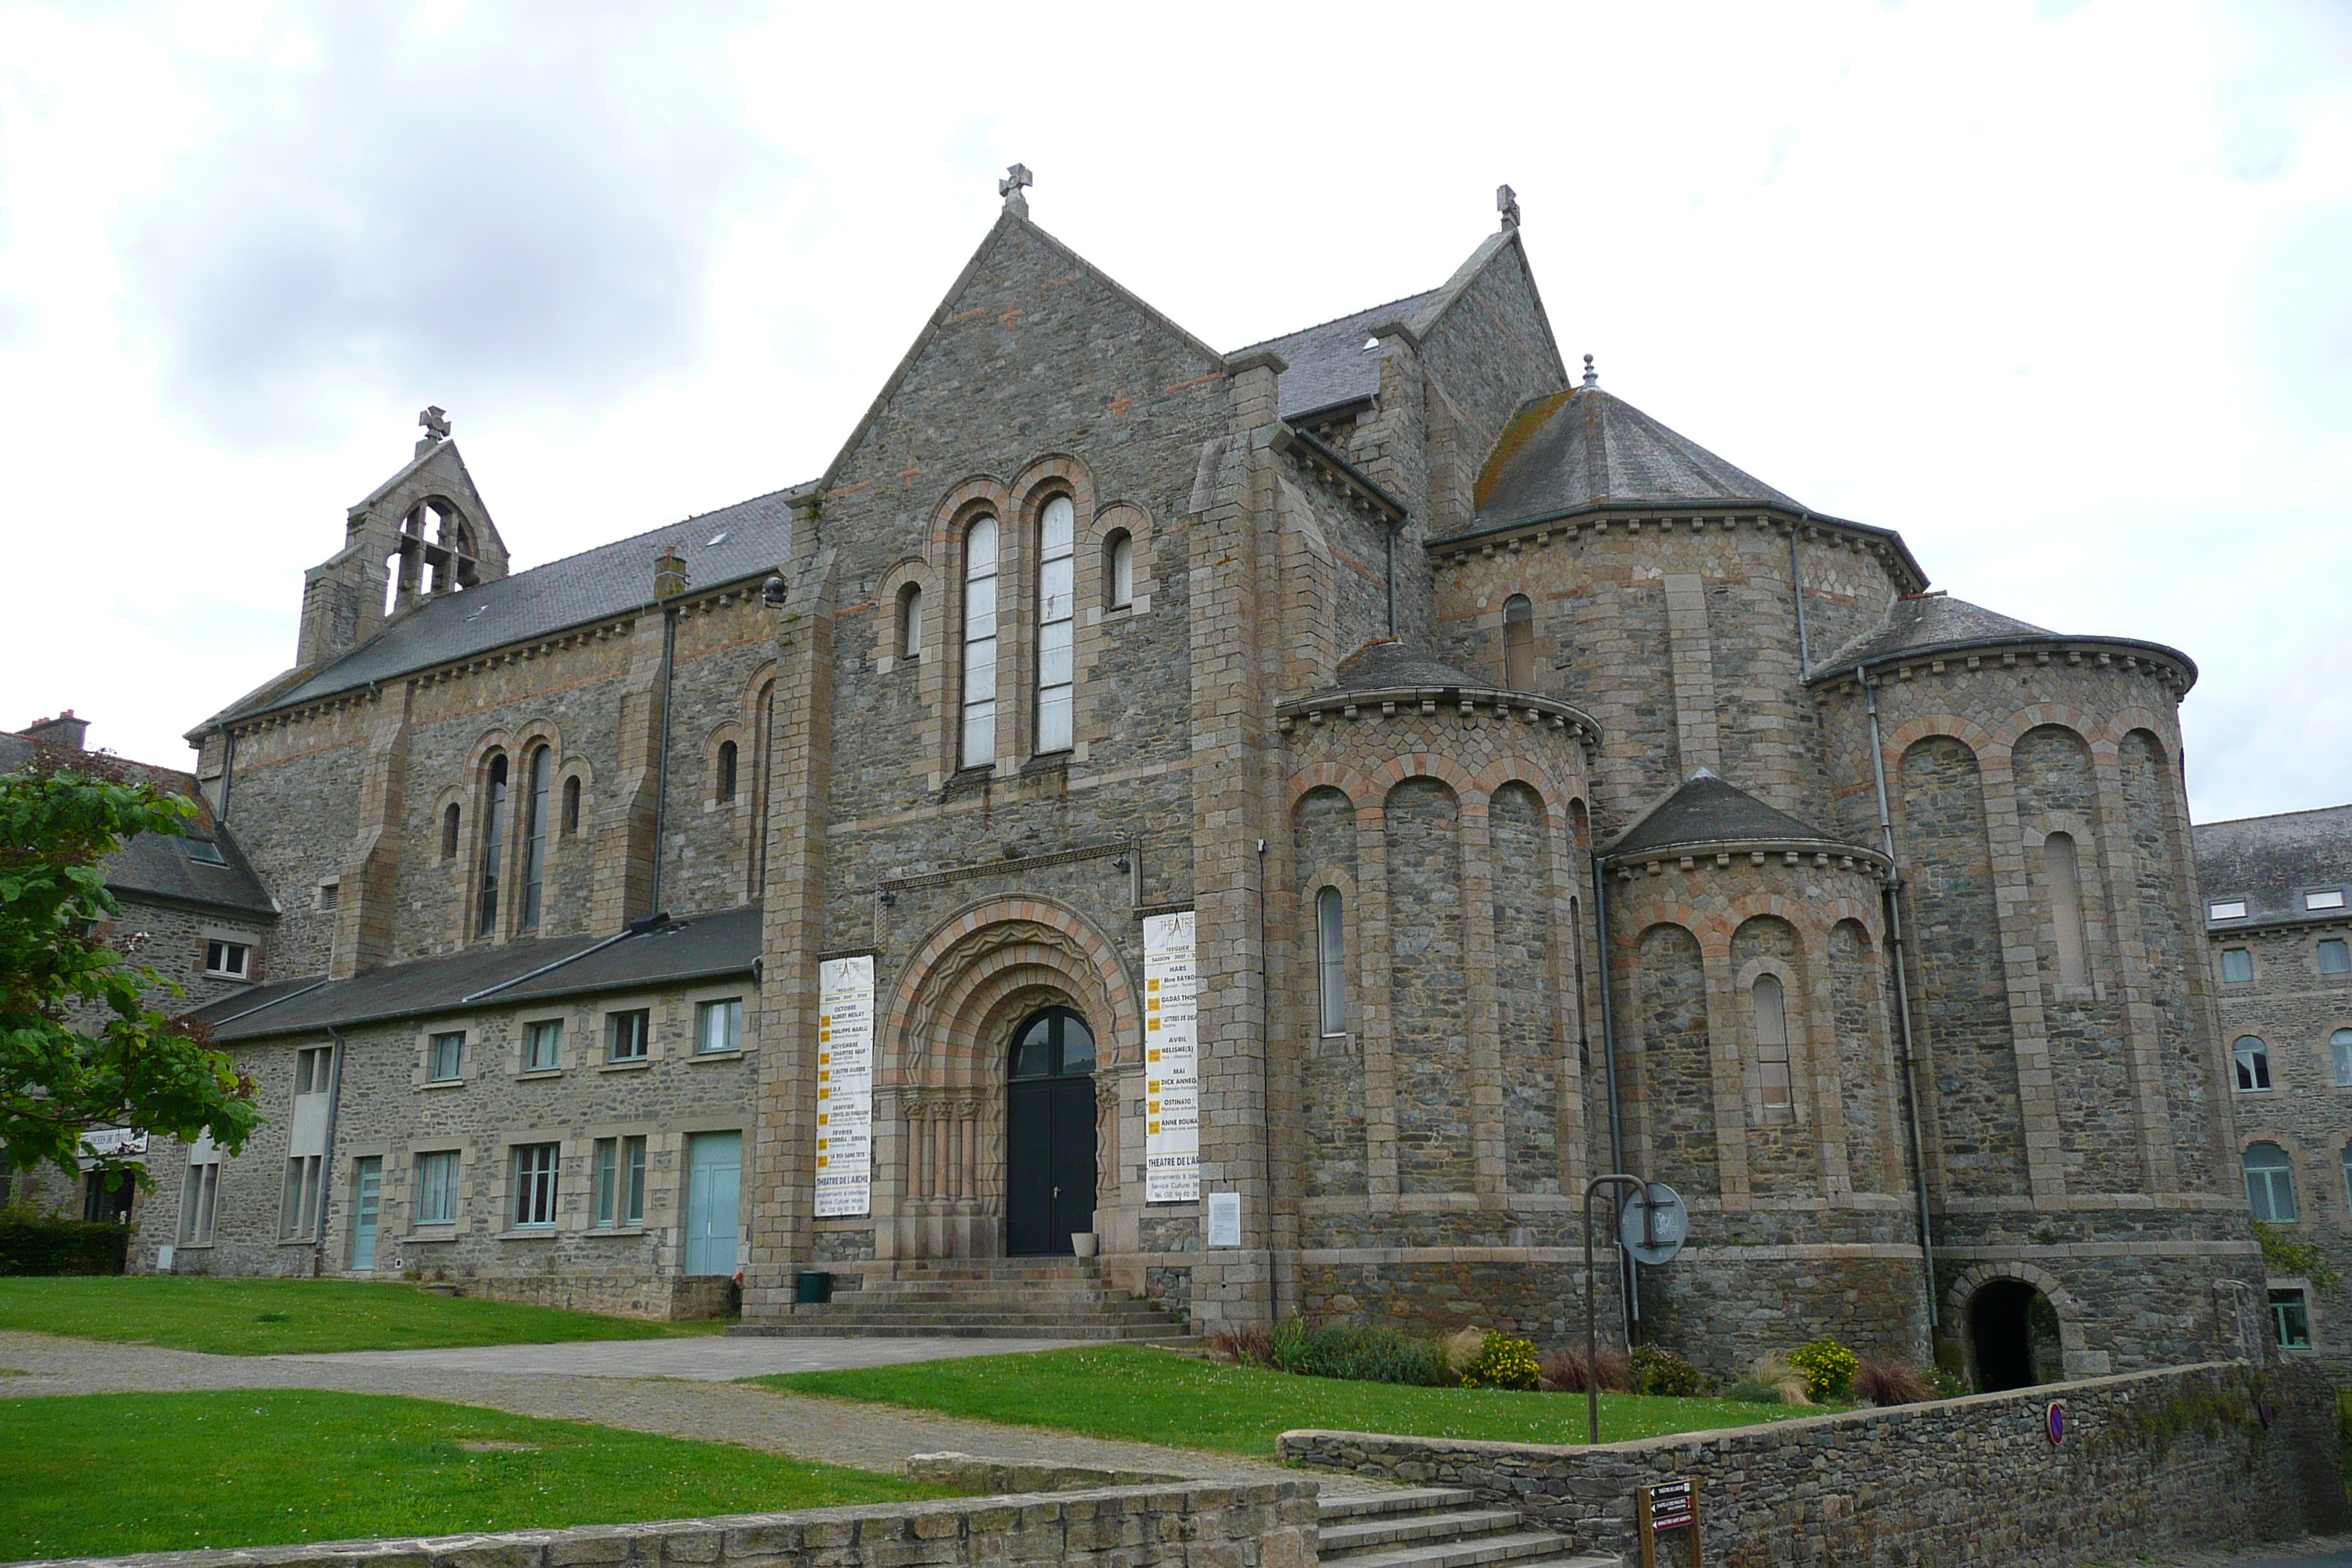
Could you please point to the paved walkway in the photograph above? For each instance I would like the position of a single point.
(687, 1398)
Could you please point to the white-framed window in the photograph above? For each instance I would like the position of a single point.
(436, 1187)
(2237, 965)
(2226, 909)
(1057, 611)
(1331, 961)
(534, 834)
(2270, 1184)
(2060, 871)
(1768, 1002)
(542, 1049)
(2323, 898)
(626, 1035)
(297, 1208)
(1119, 570)
(232, 960)
(2291, 1320)
(2252, 1058)
(620, 1181)
(494, 834)
(2334, 956)
(2339, 1049)
(200, 1193)
(1519, 643)
(719, 1025)
(445, 1056)
(979, 734)
(534, 1185)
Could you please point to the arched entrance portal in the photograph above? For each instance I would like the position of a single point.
(2013, 1333)
(1049, 1134)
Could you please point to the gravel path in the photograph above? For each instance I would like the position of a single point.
(677, 1404)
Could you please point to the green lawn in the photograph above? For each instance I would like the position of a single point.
(98, 1475)
(1136, 1392)
(268, 1317)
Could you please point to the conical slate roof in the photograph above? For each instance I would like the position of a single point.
(1930, 621)
(1707, 810)
(1387, 666)
(1584, 447)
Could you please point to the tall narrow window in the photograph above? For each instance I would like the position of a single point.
(2059, 870)
(1056, 606)
(1331, 961)
(571, 806)
(1770, 1005)
(2270, 1184)
(494, 831)
(2252, 1059)
(200, 1193)
(543, 1046)
(298, 1214)
(726, 772)
(1519, 643)
(979, 643)
(534, 837)
(1119, 570)
(449, 833)
(436, 1187)
(2336, 956)
(910, 621)
(719, 1025)
(534, 1185)
(620, 1181)
(2339, 1046)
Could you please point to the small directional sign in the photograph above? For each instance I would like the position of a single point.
(1667, 1509)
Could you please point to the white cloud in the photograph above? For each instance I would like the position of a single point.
(2056, 290)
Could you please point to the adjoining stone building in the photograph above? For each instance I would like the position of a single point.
(1514, 787)
(2280, 935)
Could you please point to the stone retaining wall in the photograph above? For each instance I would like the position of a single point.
(2152, 1460)
(668, 1298)
(1268, 1526)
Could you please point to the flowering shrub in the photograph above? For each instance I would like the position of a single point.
(1504, 1364)
(1829, 1368)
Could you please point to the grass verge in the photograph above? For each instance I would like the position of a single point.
(272, 1317)
(1141, 1394)
(100, 1475)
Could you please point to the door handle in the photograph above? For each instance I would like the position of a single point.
(1057, 1191)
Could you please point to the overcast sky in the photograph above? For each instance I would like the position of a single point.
(2063, 292)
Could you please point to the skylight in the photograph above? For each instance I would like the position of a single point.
(2226, 909)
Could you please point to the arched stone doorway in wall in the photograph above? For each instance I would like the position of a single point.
(1049, 1134)
(2014, 1337)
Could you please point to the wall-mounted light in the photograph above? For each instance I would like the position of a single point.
(888, 898)
(1121, 864)
(773, 592)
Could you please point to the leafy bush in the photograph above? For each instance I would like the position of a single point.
(1565, 1372)
(1949, 1385)
(1370, 1355)
(1891, 1382)
(32, 1244)
(1656, 1369)
(1753, 1393)
(1829, 1368)
(1504, 1362)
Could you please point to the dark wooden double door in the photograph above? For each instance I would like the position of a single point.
(1049, 1136)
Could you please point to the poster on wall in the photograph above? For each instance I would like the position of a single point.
(844, 1087)
(1171, 1087)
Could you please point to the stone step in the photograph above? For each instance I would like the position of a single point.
(1357, 1537)
(1516, 1546)
(954, 1308)
(1406, 1500)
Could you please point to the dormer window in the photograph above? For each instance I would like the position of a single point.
(2226, 909)
(229, 960)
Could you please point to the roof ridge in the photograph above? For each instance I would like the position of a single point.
(2270, 815)
(1333, 321)
(627, 538)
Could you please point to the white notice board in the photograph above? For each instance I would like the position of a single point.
(1171, 1086)
(844, 1087)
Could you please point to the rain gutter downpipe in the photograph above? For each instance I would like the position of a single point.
(1893, 893)
(1628, 1284)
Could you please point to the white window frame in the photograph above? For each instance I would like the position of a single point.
(228, 960)
(297, 1207)
(534, 1170)
(200, 1193)
(1057, 622)
(983, 552)
(2250, 1069)
(2225, 910)
(2323, 898)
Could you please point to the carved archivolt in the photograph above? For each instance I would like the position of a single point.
(952, 1013)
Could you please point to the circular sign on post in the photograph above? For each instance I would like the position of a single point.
(2055, 1420)
(1654, 1226)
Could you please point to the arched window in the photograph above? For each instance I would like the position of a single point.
(979, 643)
(726, 772)
(2059, 870)
(571, 806)
(2254, 1062)
(2339, 1046)
(1519, 643)
(494, 832)
(1119, 570)
(910, 621)
(449, 832)
(534, 837)
(1770, 1007)
(2270, 1184)
(1331, 961)
(1056, 606)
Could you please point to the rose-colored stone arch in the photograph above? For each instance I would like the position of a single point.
(1331, 775)
(1553, 790)
(1055, 473)
(2086, 727)
(951, 990)
(1911, 732)
(1384, 778)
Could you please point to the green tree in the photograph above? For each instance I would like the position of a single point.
(78, 1045)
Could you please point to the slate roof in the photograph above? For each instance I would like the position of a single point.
(1581, 449)
(577, 590)
(1932, 620)
(697, 948)
(1707, 810)
(157, 866)
(1386, 665)
(1328, 364)
(2271, 861)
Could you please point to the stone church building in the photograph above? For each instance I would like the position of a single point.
(1283, 817)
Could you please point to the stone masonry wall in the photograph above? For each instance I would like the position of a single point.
(2161, 1462)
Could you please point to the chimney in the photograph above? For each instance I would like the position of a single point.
(670, 575)
(64, 732)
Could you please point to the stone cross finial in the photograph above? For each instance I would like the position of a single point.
(1017, 179)
(1591, 377)
(437, 424)
(1506, 202)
